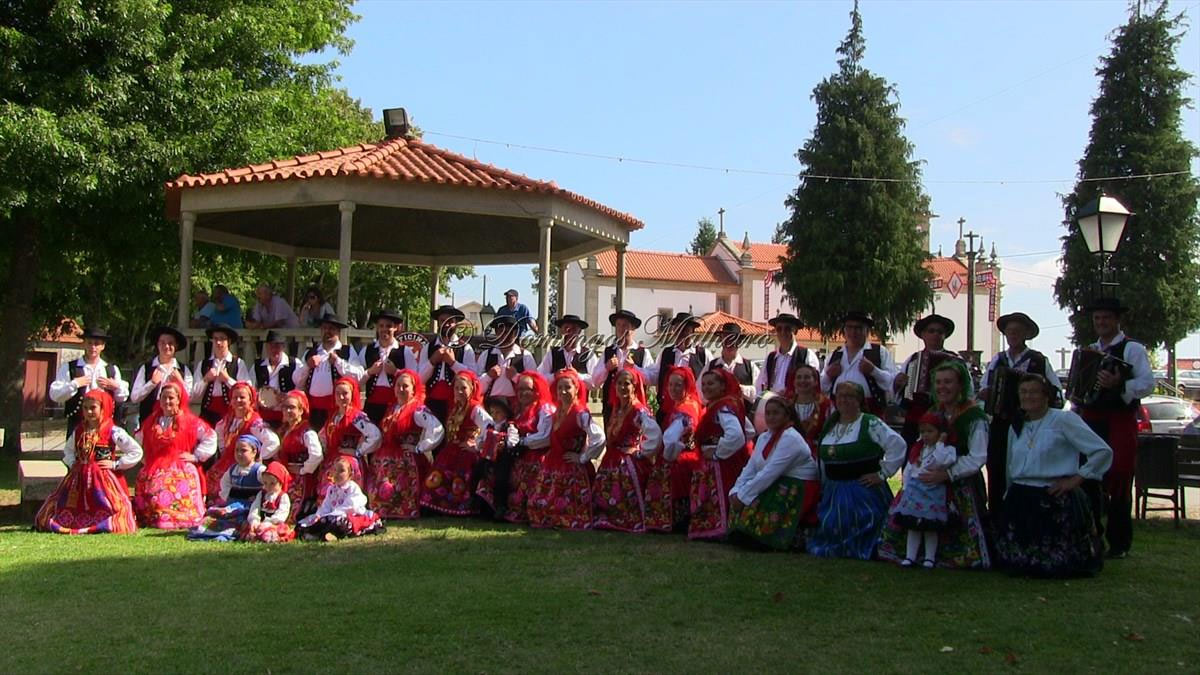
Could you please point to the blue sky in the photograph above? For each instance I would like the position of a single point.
(992, 91)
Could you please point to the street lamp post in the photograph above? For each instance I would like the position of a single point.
(1102, 222)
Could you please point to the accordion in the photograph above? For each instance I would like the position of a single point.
(919, 368)
(1083, 382)
(1002, 401)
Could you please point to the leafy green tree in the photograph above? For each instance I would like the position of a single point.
(854, 243)
(1136, 129)
(705, 239)
(780, 235)
(103, 101)
(552, 303)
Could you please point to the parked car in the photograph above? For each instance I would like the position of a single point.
(1188, 379)
(1166, 415)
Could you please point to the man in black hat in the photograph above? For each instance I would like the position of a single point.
(444, 356)
(869, 366)
(933, 331)
(1114, 418)
(380, 361)
(1008, 366)
(779, 369)
(518, 311)
(622, 353)
(731, 359)
(88, 372)
(321, 365)
(273, 374)
(150, 375)
(218, 372)
(503, 361)
(682, 353)
(570, 353)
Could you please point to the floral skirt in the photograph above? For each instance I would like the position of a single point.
(777, 516)
(326, 471)
(656, 495)
(526, 472)
(268, 533)
(708, 502)
(921, 506)
(962, 544)
(302, 493)
(849, 517)
(1047, 536)
(89, 500)
(394, 487)
(353, 525)
(617, 501)
(169, 497)
(448, 486)
(562, 498)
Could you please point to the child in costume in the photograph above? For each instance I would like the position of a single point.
(268, 517)
(343, 512)
(921, 508)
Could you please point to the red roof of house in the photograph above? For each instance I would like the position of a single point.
(712, 322)
(764, 256)
(662, 266)
(67, 331)
(408, 160)
(945, 268)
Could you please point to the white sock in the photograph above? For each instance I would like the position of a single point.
(914, 543)
(931, 544)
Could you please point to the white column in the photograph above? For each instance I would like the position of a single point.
(620, 275)
(544, 272)
(290, 293)
(187, 228)
(343, 291)
(435, 277)
(561, 280)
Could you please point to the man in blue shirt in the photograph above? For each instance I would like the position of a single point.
(222, 308)
(525, 322)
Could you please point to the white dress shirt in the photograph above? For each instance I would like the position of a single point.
(1142, 382)
(273, 371)
(783, 360)
(749, 391)
(883, 374)
(412, 361)
(143, 384)
(63, 387)
(791, 457)
(622, 354)
(467, 363)
(1022, 362)
(221, 382)
(547, 366)
(502, 386)
(683, 359)
(323, 379)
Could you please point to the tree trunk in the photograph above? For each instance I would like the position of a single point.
(17, 301)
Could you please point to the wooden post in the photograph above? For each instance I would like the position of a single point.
(544, 272)
(291, 281)
(344, 249)
(187, 229)
(560, 279)
(435, 276)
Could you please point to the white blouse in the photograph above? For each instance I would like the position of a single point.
(432, 432)
(790, 457)
(341, 500)
(895, 450)
(258, 429)
(279, 517)
(593, 446)
(1048, 449)
(672, 439)
(368, 441)
(940, 456)
(127, 450)
(312, 443)
(540, 437)
(733, 436)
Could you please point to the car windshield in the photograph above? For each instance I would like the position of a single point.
(1170, 410)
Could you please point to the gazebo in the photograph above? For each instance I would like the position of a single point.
(399, 201)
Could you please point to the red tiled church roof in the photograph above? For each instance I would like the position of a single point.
(661, 266)
(945, 268)
(408, 160)
(764, 257)
(712, 322)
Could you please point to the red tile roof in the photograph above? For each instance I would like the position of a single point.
(408, 160)
(65, 331)
(661, 266)
(712, 322)
(945, 268)
(764, 256)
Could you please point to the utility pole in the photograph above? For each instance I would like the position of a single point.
(971, 252)
(1062, 356)
(721, 218)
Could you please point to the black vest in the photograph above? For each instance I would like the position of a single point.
(442, 372)
(558, 360)
(872, 353)
(230, 370)
(147, 404)
(71, 407)
(741, 371)
(799, 356)
(343, 353)
(697, 362)
(396, 356)
(1111, 398)
(262, 375)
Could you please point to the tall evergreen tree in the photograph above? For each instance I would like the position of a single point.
(706, 237)
(854, 243)
(1136, 121)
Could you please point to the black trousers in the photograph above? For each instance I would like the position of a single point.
(997, 464)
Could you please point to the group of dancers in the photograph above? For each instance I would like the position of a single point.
(336, 442)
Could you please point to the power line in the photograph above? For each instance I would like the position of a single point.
(804, 176)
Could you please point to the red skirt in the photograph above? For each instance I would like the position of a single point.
(709, 499)
(394, 486)
(525, 474)
(656, 495)
(89, 500)
(617, 499)
(562, 498)
(448, 486)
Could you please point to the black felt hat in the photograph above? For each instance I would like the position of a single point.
(180, 339)
(1020, 317)
(624, 314)
(921, 323)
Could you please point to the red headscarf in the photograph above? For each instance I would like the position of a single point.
(402, 414)
(580, 404)
(639, 387)
(731, 398)
(104, 431)
(302, 425)
(335, 430)
(165, 448)
(526, 419)
(932, 419)
(280, 472)
(690, 405)
(231, 416)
